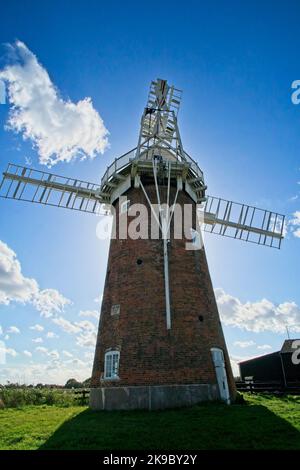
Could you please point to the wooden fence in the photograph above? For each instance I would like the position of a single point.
(251, 386)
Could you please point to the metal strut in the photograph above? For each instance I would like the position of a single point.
(165, 223)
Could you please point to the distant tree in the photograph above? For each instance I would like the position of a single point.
(73, 383)
(87, 383)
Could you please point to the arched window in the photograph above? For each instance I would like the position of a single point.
(111, 365)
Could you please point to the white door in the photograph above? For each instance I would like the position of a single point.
(219, 363)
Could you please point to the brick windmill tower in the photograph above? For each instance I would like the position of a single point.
(160, 342)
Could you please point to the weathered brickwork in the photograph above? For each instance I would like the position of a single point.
(149, 353)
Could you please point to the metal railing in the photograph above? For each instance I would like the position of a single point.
(125, 159)
(117, 165)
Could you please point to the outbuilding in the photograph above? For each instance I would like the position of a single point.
(282, 366)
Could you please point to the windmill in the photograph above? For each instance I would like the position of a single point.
(160, 342)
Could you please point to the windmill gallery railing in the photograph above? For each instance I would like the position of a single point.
(124, 160)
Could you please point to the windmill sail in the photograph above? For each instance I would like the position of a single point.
(28, 184)
(243, 222)
(218, 216)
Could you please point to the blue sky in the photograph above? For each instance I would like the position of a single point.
(235, 62)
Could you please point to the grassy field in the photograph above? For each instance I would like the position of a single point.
(264, 422)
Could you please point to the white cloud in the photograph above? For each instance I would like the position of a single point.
(244, 344)
(67, 354)
(41, 349)
(37, 327)
(98, 299)
(296, 232)
(13, 330)
(264, 347)
(85, 325)
(262, 315)
(27, 353)
(9, 351)
(85, 330)
(51, 371)
(50, 334)
(49, 302)
(37, 340)
(1, 330)
(294, 224)
(89, 355)
(15, 287)
(89, 313)
(54, 354)
(59, 130)
(66, 325)
(87, 339)
(77, 362)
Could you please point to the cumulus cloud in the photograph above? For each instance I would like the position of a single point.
(51, 335)
(49, 302)
(244, 344)
(295, 224)
(37, 327)
(9, 351)
(27, 353)
(53, 354)
(85, 330)
(89, 313)
(13, 330)
(15, 287)
(41, 349)
(37, 340)
(66, 325)
(87, 339)
(262, 315)
(60, 130)
(264, 347)
(67, 354)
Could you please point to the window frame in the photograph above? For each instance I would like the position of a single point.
(113, 375)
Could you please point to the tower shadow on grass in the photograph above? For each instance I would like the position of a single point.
(209, 426)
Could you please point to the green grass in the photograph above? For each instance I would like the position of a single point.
(264, 422)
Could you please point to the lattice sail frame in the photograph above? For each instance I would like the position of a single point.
(216, 215)
(243, 222)
(27, 184)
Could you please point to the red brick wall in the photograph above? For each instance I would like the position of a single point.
(149, 353)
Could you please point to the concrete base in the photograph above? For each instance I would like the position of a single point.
(154, 397)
